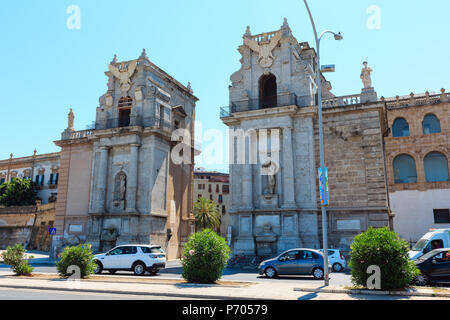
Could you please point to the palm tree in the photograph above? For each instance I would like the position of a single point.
(206, 214)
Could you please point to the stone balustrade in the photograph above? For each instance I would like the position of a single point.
(341, 101)
(263, 36)
(69, 135)
(417, 100)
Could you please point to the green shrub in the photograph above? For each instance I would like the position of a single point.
(15, 257)
(80, 256)
(382, 248)
(205, 257)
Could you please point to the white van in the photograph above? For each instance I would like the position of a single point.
(435, 239)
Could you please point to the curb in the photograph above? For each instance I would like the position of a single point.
(137, 293)
(376, 292)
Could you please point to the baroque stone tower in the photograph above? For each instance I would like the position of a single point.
(129, 189)
(274, 208)
(274, 151)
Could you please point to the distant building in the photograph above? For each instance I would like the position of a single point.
(43, 169)
(214, 186)
(417, 153)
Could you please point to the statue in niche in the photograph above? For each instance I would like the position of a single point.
(270, 170)
(120, 189)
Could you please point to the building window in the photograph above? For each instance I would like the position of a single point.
(436, 167)
(125, 111)
(209, 188)
(225, 188)
(56, 177)
(51, 178)
(220, 198)
(199, 196)
(210, 197)
(431, 124)
(223, 210)
(404, 169)
(2, 180)
(441, 215)
(217, 188)
(400, 128)
(267, 91)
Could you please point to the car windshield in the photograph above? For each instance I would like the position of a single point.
(420, 245)
(429, 255)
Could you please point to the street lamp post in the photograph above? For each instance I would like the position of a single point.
(337, 36)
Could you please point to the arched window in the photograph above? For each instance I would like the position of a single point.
(405, 169)
(436, 167)
(125, 104)
(431, 124)
(267, 91)
(400, 128)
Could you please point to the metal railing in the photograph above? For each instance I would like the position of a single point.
(290, 99)
(282, 100)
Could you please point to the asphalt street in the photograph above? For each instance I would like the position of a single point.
(173, 270)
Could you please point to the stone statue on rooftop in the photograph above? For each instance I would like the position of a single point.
(365, 76)
(70, 120)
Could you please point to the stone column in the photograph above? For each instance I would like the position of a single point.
(132, 178)
(102, 178)
(247, 179)
(288, 170)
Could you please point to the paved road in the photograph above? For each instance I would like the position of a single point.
(31, 294)
(173, 270)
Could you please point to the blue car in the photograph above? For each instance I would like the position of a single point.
(294, 262)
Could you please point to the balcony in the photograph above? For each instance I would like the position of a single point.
(282, 100)
(290, 99)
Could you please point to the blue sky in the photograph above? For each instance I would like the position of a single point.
(48, 68)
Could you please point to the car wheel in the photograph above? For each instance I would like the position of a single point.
(153, 272)
(270, 273)
(139, 269)
(98, 267)
(318, 273)
(112, 271)
(337, 267)
(422, 280)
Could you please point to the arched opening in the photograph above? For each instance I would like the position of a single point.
(125, 105)
(267, 91)
(431, 124)
(404, 169)
(400, 128)
(436, 167)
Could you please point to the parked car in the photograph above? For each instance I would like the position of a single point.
(336, 260)
(435, 239)
(294, 262)
(138, 258)
(433, 266)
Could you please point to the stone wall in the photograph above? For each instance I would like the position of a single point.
(356, 172)
(27, 225)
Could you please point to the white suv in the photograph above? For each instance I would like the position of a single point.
(138, 258)
(336, 260)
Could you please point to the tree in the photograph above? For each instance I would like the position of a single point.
(205, 256)
(206, 214)
(17, 192)
(383, 249)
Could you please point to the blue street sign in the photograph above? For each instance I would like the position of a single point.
(323, 184)
(52, 231)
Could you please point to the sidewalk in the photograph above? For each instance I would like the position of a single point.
(158, 286)
(228, 290)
